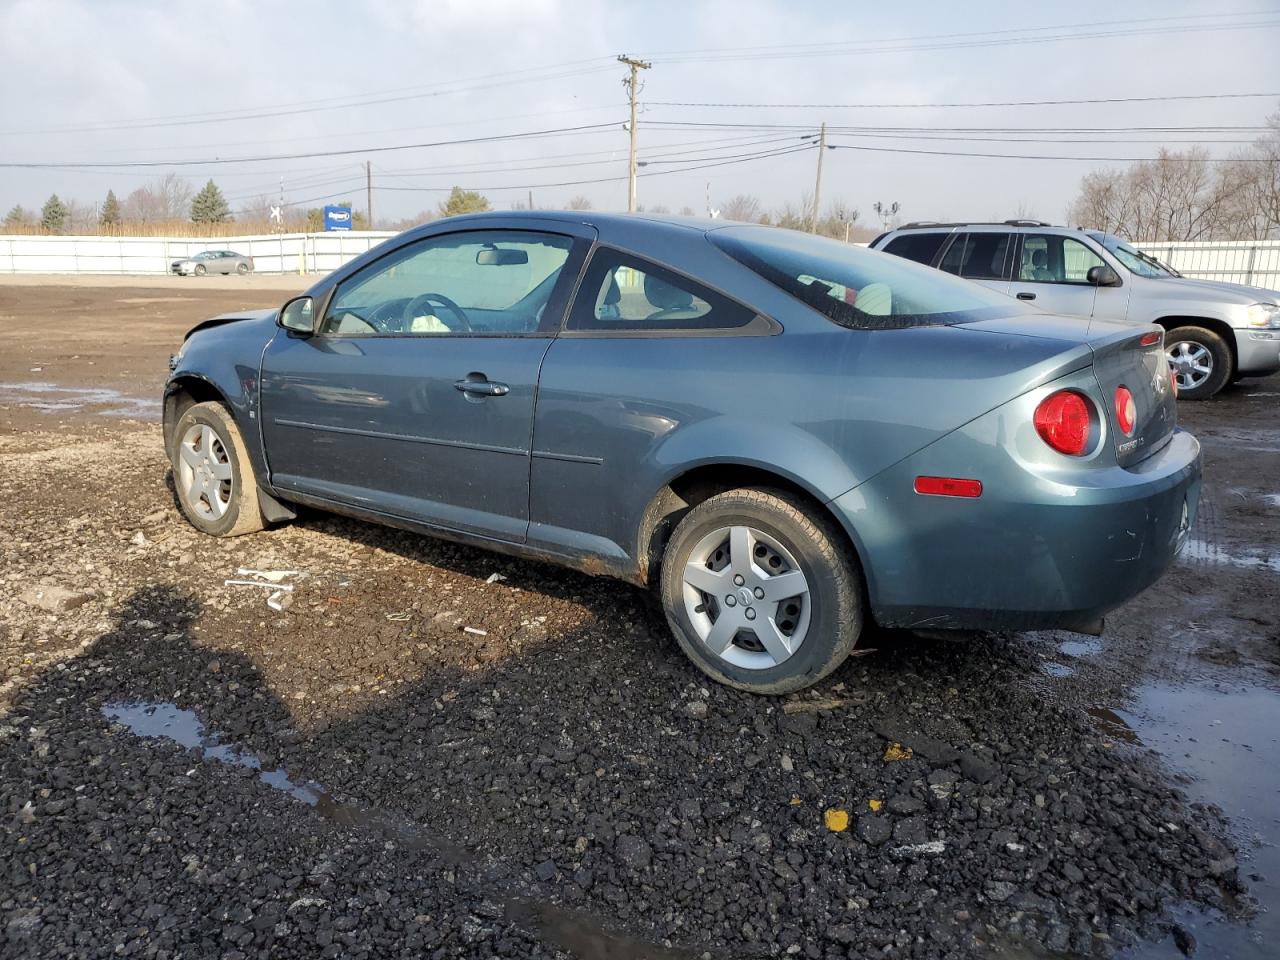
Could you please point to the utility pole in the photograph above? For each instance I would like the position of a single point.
(631, 84)
(817, 183)
(368, 187)
(530, 199)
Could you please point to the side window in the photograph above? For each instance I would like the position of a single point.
(495, 282)
(920, 247)
(625, 293)
(978, 256)
(1047, 258)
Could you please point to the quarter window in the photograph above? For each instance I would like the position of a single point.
(624, 293)
(494, 282)
(1048, 258)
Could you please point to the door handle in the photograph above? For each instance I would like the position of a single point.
(1026, 296)
(481, 387)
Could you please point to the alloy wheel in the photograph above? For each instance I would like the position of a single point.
(1192, 363)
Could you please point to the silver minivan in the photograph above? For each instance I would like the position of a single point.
(1217, 332)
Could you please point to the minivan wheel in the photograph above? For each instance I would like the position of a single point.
(1200, 361)
(761, 591)
(212, 472)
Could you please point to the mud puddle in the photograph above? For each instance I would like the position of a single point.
(54, 398)
(575, 932)
(1227, 740)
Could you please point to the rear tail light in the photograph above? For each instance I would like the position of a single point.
(1062, 420)
(1150, 339)
(1126, 411)
(1173, 382)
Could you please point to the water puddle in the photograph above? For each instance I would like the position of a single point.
(574, 932)
(1058, 670)
(1086, 647)
(169, 722)
(1203, 552)
(1113, 724)
(1228, 741)
(53, 398)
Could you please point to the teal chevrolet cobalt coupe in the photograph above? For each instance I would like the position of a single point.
(787, 437)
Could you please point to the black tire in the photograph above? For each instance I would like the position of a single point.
(832, 572)
(1222, 364)
(242, 513)
(242, 268)
(200, 271)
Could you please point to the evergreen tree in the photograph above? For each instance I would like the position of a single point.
(463, 201)
(53, 215)
(210, 206)
(19, 216)
(110, 213)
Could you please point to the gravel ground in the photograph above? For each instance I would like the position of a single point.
(414, 758)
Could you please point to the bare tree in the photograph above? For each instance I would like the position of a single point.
(579, 203)
(168, 198)
(744, 208)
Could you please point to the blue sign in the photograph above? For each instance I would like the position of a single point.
(337, 218)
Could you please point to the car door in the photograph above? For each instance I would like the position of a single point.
(1050, 272)
(227, 261)
(414, 398)
(984, 257)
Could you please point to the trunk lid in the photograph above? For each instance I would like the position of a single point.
(1134, 358)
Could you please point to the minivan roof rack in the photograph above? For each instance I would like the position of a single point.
(974, 223)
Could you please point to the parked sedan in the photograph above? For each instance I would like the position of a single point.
(787, 437)
(212, 261)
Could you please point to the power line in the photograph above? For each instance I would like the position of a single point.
(528, 135)
(1027, 156)
(986, 39)
(932, 106)
(318, 106)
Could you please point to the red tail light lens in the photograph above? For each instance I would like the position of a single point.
(1173, 382)
(1062, 420)
(1126, 411)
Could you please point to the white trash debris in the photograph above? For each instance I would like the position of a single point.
(476, 630)
(279, 599)
(495, 578)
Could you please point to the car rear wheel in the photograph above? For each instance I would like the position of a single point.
(242, 268)
(761, 591)
(1200, 360)
(200, 270)
(212, 473)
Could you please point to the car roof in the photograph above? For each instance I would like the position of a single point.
(590, 218)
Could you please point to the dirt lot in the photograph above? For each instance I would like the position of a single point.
(412, 760)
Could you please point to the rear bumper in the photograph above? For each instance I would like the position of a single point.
(1032, 552)
(1257, 352)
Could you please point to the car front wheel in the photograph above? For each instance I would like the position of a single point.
(200, 271)
(212, 473)
(1200, 361)
(762, 591)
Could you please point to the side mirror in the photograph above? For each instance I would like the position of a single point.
(1102, 276)
(298, 316)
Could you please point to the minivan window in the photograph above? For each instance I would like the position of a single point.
(920, 247)
(1050, 258)
(979, 256)
(1143, 264)
(859, 288)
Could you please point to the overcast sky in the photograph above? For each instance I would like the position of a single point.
(101, 81)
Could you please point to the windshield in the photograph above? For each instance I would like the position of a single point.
(1143, 264)
(856, 287)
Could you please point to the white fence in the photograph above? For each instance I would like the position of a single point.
(1252, 262)
(272, 253)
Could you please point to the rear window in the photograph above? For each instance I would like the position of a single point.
(859, 288)
(920, 247)
(979, 256)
